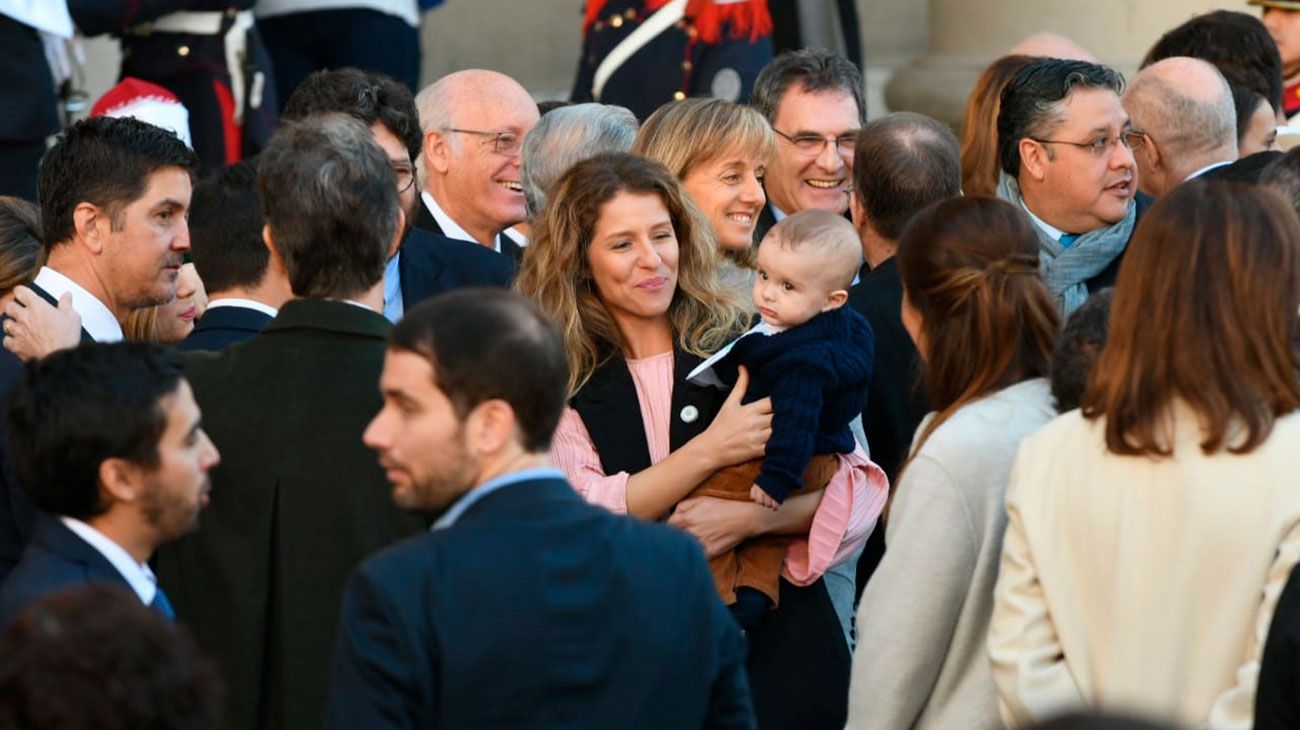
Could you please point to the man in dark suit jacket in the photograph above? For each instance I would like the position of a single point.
(524, 606)
(114, 193)
(131, 475)
(474, 123)
(427, 263)
(244, 289)
(298, 501)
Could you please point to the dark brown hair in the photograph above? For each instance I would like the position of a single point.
(970, 268)
(21, 252)
(979, 132)
(903, 162)
(1210, 324)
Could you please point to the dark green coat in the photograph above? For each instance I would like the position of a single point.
(297, 502)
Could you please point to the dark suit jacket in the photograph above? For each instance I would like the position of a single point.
(766, 219)
(1277, 700)
(222, 327)
(1107, 275)
(17, 513)
(425, 221)
(431, 264)
(536, 609)
(1246, 170)
(297, 502)
(55, 558)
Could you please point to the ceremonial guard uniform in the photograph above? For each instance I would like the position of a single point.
(1291, 89)
(207, 53)
(641, 54)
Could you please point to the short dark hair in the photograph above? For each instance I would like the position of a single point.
(226, 230)
(1283, 175)
(1246, 101)
(1082, 338)
(902, 163)
(1236, 43)
(366, 96)
(813, 69)
(104, 161)
(94, 656)
(330, 199)
(467, 334)
(1031, 103)
(74, 409)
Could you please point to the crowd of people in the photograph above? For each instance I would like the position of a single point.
(447, 410)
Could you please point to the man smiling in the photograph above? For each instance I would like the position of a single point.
(1065, 145)
(474, 123)
(815, 104)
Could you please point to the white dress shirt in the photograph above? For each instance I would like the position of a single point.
(96, 317)
(451, 229)
(138, 575)
(245, 303)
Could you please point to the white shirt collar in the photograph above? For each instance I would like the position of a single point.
(778, 214)
(95, 315)
(138, 575)
(1206, 169)
(1048, 228)
(245, 303)
(355, 303)
(520, 239)
(449, 227)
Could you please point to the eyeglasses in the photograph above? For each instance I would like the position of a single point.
(503, 143)
(1102, 146)
(405, 173)
(813, 144)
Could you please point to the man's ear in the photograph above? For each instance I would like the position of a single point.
(437, 152)
(120, 480)
(90, 224)
(276, 262)
(1034, 157)
(491, 427)
(857, 213)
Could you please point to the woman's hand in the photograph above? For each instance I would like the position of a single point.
(739, 432)
(719, 524)
(35, 329)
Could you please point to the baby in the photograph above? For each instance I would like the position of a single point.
(812, 356)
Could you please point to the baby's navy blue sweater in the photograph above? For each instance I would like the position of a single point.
(817, 375)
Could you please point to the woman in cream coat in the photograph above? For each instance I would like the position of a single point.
(1150, 533)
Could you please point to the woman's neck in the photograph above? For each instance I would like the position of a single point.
(644, 338)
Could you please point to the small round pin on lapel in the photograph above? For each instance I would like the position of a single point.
(690, 413)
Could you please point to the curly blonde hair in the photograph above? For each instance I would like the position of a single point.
(556, 273)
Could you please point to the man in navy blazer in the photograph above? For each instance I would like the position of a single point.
(108, 441)
(523, 606)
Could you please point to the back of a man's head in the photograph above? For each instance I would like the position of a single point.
(902, 163)
(77, 408)
(366, 96)
(1283, 175)
(1032, 104)
(1186, 105)
(566, 135)
(226, 230)
(106, 162)
(331, 203)
(1236, 43)
(813, 70)
(1076, 351)
(468, 333)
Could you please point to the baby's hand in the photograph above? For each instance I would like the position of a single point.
(757, 494)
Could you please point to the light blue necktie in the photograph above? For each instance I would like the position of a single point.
(162, 605)
(1067, 239)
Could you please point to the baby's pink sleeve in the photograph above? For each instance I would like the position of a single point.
(573, 453)
(849, 510)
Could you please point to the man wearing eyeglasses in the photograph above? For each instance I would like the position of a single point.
(426, 264)
(474, 123)
(814, 101)
(1188, 125)
(1065, 145)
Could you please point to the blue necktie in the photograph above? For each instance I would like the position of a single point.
(1067, 239)
(162, 605)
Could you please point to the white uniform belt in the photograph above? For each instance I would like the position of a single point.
(660, 21)
(235, 40)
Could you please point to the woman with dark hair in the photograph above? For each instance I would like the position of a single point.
(1150, 532)
(1256, 122)
(21, 252)
(979, 131)
(625, 267)
(984, 324)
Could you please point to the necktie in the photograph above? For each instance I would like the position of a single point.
(1068, 239)
(162, 605)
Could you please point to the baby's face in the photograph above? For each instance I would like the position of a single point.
(793, 287)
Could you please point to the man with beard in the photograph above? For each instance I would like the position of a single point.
(109, 443)
(114, 196)
(427, 263)
(523, 606)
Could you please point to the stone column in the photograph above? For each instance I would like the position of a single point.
(965, 35)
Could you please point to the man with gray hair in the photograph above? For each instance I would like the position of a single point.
(1183, 109)
(299, 500)
(1065, 145)
(567, 135)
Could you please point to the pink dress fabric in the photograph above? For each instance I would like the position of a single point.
(849, 509)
